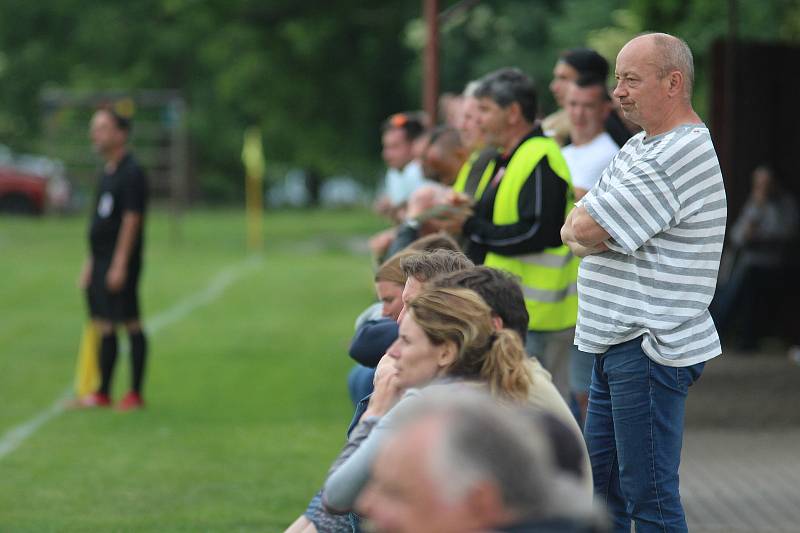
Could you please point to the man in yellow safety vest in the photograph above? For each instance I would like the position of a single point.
(522, 201)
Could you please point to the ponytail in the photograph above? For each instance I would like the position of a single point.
(504, 367)
(495, 358)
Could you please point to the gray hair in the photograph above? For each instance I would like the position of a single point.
(469, 90)
(675, 54)
(508, 85)
(484, 440)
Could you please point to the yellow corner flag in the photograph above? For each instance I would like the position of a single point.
(87, 371)
(253, 159)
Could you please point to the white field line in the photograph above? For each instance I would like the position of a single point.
(14, 437)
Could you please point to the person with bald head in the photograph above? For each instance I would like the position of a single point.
(651, 233)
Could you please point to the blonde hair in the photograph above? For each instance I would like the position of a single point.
(460, 316)
(390, 269)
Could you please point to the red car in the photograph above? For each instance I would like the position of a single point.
(21, 192)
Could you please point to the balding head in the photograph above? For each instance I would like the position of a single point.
(669, 54)
(654, 82)
(675, 54)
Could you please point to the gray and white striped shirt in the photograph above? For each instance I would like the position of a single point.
(662, 200)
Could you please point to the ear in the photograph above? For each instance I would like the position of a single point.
(675, 80)
(497, 322)
(514, 113)
(448, 354)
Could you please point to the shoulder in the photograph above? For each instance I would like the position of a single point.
(130, 167)
(413, 170)
(407, 402)
(606, 143)
(680, 142)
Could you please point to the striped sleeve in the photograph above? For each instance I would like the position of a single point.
(643, 204)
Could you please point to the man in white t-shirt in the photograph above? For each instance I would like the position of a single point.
(404, 176)
(587, 106)
(403, 137)
(592, 149)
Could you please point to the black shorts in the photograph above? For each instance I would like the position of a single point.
(122, 306)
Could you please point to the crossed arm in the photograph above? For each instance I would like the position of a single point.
(582, 234)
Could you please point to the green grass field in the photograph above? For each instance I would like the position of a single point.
(247, 402)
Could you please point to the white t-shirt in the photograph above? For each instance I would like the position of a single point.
(587, 161)
(401, 183)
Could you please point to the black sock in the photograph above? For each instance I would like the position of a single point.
(138, 358)
(108, 358)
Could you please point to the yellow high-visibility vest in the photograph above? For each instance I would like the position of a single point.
(463, 175)
(550, 277)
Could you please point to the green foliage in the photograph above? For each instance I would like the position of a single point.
(318, 77)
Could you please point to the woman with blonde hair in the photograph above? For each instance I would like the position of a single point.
(447, 338)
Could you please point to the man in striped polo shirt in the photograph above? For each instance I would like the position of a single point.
(651, 232)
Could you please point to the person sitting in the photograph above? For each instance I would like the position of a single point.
(503, 294)
(446, 336)
(373, 337)
(439, 261)
(760, 239)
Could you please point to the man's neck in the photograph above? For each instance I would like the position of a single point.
(516, 135)
(114, 156)
(682, 114)
(579, 139)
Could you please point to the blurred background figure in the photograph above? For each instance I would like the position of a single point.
(111, 272)
(571, 65)
(756, 274)
(472, 137)
(444, 156)
(592, 148)
(404, 138)
(404, 175)
(450, 109)
(588, 106)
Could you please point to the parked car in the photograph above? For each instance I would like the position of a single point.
(31, 184)
(22, 193)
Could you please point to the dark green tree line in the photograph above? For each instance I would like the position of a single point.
(317, 76)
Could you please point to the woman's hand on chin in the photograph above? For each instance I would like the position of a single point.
(387, 390)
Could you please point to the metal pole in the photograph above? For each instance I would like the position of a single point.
(430, 91)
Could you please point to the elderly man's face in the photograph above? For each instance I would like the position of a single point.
(642, 93)
(402, 497)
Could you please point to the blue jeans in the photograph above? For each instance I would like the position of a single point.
(634, 432)
(359, 382)
(552, 349)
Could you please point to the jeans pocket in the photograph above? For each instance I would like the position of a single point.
(688, 375)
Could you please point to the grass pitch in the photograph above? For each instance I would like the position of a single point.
(246, 396)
